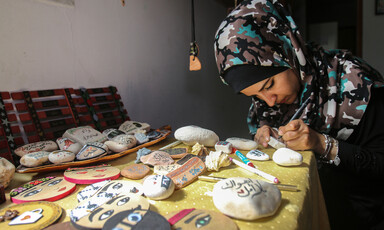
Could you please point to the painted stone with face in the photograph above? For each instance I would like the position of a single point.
(138, 218)
(158, 187)
(91, 174)
(99, 216)
(103, 195)
(189, 219)
(48, 189)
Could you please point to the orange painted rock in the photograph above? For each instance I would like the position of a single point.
(188, 172)
(157, 158)
(135, 171)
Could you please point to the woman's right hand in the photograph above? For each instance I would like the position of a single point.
(263, 134)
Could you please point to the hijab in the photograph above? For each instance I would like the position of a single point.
(263, 33)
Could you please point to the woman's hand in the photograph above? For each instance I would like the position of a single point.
(263, 134)
(299, 136)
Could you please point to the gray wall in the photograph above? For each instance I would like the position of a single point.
(141, 48)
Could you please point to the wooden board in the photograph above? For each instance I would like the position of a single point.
(55, 167)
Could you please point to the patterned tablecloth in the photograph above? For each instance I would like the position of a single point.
(303, 209)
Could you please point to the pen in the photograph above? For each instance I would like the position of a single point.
(286, 187)
(243, 158)
(256, 171)
(171, 145)
(297, 114)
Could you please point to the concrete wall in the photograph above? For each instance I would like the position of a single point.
(142, 48)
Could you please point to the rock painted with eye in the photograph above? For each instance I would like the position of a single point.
(103, 195)
(245, 198)
(48, 189)
(138, 218)
(158, 187)
(99, 216)
(287, 157)
(91, 174)
(189, 219)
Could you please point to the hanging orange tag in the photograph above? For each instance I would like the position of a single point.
(194, 63)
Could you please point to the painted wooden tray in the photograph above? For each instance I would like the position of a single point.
(164, 132)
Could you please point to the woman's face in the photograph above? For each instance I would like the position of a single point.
(281, 88)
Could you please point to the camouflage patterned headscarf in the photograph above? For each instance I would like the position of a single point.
(262, 32)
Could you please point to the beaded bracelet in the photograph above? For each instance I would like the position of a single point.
(328, 146)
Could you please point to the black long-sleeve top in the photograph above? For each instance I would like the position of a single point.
(354, 190)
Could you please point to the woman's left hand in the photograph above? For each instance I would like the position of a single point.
(299, 136)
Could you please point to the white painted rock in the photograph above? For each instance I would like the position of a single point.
(131, 127)
(224, 146)
(158, 187)
(111, 133)
(246, 199)
(190, 135)
(85, 134)
(121, 143)
(287, 157)
(61, 156)
(258, 155)
(7, 170)
(68, 144)
(242, 143)
(92, 150)
(34, 159)
(36, 147)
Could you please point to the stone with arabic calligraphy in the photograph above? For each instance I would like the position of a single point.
(131, 127)
(245, 198)
(68, 144)
(135, 171)
(157, 158)
(35, 159)
(121, 143)
(36, 147)
(61, 156)
(158, 187)
(92, 150)
(85, 134)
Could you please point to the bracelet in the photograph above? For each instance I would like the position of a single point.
(337, 160)
(328, 146)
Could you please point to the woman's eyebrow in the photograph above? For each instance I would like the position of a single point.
(265, 83)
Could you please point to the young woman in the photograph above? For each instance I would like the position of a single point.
(260, 53)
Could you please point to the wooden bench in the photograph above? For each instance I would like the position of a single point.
(32, 116)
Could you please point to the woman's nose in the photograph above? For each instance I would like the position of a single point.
(269, 98)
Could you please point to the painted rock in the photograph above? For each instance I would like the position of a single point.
(242, 143)
(92, 150)
(130, 127)
(111, 133)
(135, 171)
(48, 189)
(224, 146)
(90, 190)
(246, 199)
(97, 218)
(176, 152)
(165, 169)
(200, 218)
(35, 159)
(84, 135)
(188, 157)
(48, 146)
(187, 173)
(142, 152)
(7, 170)
(158, 187)
(141, 138)
(121, 143)
(153, 134)
(287, 157)
(192, 134)
(91, 174)
(61, 156)
(103, 195)
(137, 218)
(258, 155)
(68, 144)
(157, 158)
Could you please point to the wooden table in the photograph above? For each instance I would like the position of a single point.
(303, 209)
